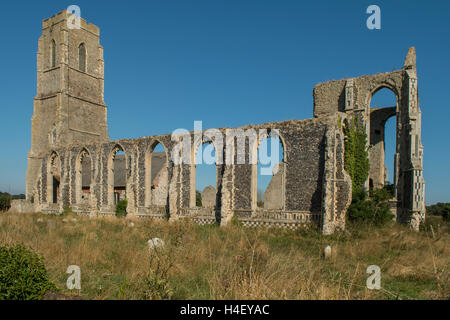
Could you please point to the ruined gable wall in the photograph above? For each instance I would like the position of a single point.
(351, 97)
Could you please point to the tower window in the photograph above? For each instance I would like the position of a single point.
(53, 54)
(82, 57)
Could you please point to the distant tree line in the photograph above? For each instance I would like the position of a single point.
(439, 209)
(5, 200)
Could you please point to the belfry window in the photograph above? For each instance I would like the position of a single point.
(53, 54)
(82, 57)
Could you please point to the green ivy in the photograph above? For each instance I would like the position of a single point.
(121, 208)
(373, 208)
(356, 156)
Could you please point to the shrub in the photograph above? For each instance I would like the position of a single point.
(374, 209)
(5, 201)
(157, 288)
(121, 208)
(446, 214)
(198, 198)
(235, 221)
(66, 211)
(156, 281)
(382, 195)
(22, 274)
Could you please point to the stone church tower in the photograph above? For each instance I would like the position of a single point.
(69, 106)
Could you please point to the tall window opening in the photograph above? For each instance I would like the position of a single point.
(56, 183)
(53, 178)
(83, 177)
(82, 57)
(157, 181)
(116, 176)
(270, 172)
(53, 54)
(205, 176)
(383, 138)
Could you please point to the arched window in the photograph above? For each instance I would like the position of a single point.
(156, 180)
(82, 57)
(116, 175)
(53, 54)
(270, 173)
(383, 145)
(83, 177)
(205, 167)
(53, 178)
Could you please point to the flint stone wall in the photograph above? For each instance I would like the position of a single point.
(301, 200)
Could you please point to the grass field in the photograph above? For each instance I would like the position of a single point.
(209, 262)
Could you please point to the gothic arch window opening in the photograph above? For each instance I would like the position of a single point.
(117, 166)
(383, 137)
(270, 172)
(53, 178)
(156, 175)
(82, 57)
(83, 177)
(205, 174)
(53, 54)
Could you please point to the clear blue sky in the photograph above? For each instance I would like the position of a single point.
(229, 63)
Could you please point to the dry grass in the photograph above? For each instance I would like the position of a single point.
(207, 262)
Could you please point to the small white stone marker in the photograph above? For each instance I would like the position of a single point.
(155, 242)
(327, 252)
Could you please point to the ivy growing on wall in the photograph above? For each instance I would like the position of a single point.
(356, 156)
(371, 208)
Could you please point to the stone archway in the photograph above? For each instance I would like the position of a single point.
(202, 168)
(269, 194)
(54, 179)
(117, 166)
(83, 177)
(156, 175)
(377, 143)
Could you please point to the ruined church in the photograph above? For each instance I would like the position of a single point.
(73, 163)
